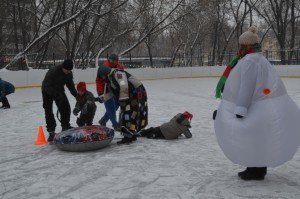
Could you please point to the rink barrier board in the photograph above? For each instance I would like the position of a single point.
(34, 78)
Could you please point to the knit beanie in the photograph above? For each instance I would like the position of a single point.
(249, 37)
(113, 57)
(187, 115)
(68, 64)
(81, 86)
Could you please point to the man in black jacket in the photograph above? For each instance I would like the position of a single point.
(53, 90)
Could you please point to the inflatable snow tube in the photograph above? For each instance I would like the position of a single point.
(85, 138)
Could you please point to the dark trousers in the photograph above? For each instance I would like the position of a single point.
(63, 106)
(152, 133)
(5, 103)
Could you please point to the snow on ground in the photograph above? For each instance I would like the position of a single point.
(183, 168)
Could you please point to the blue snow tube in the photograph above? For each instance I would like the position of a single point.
(86, 138)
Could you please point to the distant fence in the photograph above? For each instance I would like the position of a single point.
(280, 57)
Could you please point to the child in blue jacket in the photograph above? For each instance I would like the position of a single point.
(6, 88)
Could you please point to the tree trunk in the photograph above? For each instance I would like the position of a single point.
(15, 29)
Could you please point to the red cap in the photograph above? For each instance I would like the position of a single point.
(81, 86)
(187, 115)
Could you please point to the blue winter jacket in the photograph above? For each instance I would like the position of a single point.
(5, 88)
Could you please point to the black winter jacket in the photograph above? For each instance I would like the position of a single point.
(55, 80)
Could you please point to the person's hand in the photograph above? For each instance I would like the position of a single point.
(100, 98)
(76, 111)
(214, 114)
(239, 116)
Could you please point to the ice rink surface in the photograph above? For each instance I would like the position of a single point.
(183, 168)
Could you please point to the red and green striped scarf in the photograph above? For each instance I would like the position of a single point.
(231, 65)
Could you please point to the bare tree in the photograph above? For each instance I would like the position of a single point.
(280, 16)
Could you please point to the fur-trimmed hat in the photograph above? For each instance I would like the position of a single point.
(249, 37)
(68, 64)
(81, 86)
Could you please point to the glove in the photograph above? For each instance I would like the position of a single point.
(84, 109)
(100, 98)
(215, 114)
(239, 116)
(76, 111)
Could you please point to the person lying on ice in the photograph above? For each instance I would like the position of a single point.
(6, 88)
(177, 126)
(85, 104)
(132, 97)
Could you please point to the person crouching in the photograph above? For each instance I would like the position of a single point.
(178, 125)
(85, 104)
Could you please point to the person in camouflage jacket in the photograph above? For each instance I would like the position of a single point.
(178, 125)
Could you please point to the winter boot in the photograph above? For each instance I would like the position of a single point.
(66, 128)
(102, 122)
(253, 173)
(215, 114)
(128, 136)
(51, 137)
(117, 128)
(5, 103)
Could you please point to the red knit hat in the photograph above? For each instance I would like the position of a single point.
(187, 115)
(81, 86)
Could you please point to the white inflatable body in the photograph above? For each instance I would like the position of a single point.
(269, 133)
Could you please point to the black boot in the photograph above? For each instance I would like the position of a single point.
(128, 136)
(101, 122)
(66, 128)
(51, 137)
(253, 173)
(215, 114)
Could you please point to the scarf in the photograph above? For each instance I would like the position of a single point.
(220, 86)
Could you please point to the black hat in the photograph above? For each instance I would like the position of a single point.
(68, 64)
(113, 57)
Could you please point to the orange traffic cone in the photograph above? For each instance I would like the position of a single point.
(40, 140)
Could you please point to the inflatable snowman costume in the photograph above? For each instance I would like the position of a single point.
(268, 135)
